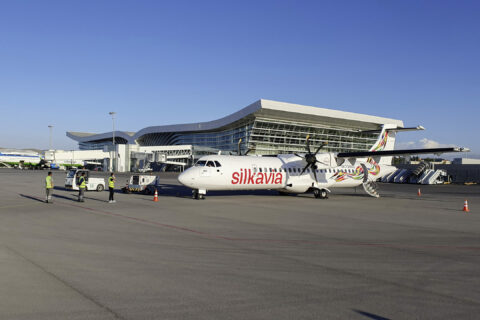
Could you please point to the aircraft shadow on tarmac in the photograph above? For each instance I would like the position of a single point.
(370, 315)
(173, 190)
(32, 198)
(74, 197)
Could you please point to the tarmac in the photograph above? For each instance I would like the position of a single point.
(244, 255)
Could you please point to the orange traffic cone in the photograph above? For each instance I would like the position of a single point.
(419, 193)
(465, 206)
(155, 196)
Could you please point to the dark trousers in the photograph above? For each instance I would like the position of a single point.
(110, 198)
(81, 192)
(49, 194)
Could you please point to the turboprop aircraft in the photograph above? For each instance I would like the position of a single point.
(300, 173)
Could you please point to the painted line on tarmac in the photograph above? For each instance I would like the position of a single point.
(253, 240)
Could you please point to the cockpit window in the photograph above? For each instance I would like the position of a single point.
(210, 164)
(217, 164)
(200, 163)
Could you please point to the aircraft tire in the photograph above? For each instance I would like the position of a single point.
(320, 193)
(323, 194)
(195, 194)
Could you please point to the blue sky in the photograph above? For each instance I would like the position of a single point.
(68, 63)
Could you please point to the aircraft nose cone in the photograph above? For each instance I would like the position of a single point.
(181, 178)
(185, 178)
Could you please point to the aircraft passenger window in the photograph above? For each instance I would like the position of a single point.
(290, 170)
(260, 169)
(217, 164)
(200, 163)
(210, 164)
(274, 169)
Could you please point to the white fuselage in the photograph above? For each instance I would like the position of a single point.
(283, 173)
(16, 158)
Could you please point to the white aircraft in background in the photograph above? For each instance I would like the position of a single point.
(300, 173)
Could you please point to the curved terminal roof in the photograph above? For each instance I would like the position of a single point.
(261, 109)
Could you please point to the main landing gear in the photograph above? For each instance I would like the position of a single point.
(198, 195)
(320, 193)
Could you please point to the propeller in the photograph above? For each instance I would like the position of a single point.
(239, 151)
(311, 158)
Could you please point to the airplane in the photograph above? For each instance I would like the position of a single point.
(302, 173)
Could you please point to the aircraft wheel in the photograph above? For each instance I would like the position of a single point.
(323, 194)
(195, 194)
(320, 194)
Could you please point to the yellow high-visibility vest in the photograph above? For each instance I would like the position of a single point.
(81, 181)
(48, 182)
(111, 183)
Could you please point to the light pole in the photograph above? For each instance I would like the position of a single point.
(50, 140)
(114, 160)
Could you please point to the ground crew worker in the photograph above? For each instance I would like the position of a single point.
(81, 187)
(49, 187)
(111, 187)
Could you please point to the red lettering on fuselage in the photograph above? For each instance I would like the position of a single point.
(235, 178)
(250, 177)
(247, 177)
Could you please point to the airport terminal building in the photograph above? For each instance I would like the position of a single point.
(266, 127)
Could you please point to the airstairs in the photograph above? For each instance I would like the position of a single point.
(371, 188)
(422, 174)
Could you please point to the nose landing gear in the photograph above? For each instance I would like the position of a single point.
(198, 194)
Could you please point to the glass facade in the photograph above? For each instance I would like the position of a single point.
(100, 144)
(269, 136)
(225, 139)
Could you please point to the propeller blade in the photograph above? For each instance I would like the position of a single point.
(315, 174)
(298, 155)
(238, 147)
(308, 144)
(321, 146)
(252, 148)
(306, 167)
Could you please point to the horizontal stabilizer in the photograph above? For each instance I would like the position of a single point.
(363, 154)
(417, 128)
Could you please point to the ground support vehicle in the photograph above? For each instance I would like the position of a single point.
(145, 184)
(71, 181)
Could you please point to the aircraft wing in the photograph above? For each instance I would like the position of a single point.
(363, 154)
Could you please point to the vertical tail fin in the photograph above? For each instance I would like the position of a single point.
(385, 141)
